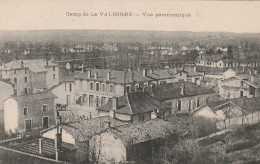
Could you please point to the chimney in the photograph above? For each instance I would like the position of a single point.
(22, 64)
(131, 76)
(154, 115)
(96, 75)
(182, 89)
(108, 75)
(144, 72)
(58, 142)
(58, 118)
(151, 71)
(243, 69)
(82, 68)
(40, 146)
(89, 74)
(195, 69)
(4, 65)
(47, 63)
(256, 72)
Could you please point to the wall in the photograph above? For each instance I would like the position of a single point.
(21, 84)
(111, 147)
(66, 137)
(62, 91)
(11, 115)
(50, 82)
(36, 114)
(205, 112)
(38, 80)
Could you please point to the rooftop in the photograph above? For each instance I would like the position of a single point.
(37, 65)
(145, 131)
(33, 97)
(136, 103)
(174, 90)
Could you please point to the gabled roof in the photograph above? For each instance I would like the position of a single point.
(136, 103)
(84, 129)
(122, 77)
(141, 132)
(173, 91)
(33, 97)
(37, 65)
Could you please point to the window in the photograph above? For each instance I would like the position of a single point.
(111, 88)
(44, 107)
(14, 71)
(53, 68)
(91, 86)
(136, 87)
(15, 80)
(25, 71)
(97, 86)
(128, 89)
(110, 99)
(141, 118)
(198, 103)
(103, 100)
(25, 79)
(241, 93)
(25, 111)
(103, 87)
(146, 85)
(179, 106)
(97, 101)
(25, 91)
(190, 105)
(242, 84)
(91, 98)
(70, 87)
(53, 76)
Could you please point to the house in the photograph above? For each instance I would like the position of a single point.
(135, 107)
(29, 112)
(132, 142)
(96, 87)
(30, 76)
(6, 91)
(189, 74)
(239, 86)
(184, 97)
(79, 133)
(231, 112)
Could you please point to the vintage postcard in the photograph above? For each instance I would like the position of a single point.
(140, 82)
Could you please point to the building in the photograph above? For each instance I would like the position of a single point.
(189, 74)
(30, 76)
(79, 133)
(96, 87)
(135, 107)
(239, 85)
(6, 91)
(132, 142)
(184, 97)
(29, 112)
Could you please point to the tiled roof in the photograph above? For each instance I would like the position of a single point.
(247, 104)
(145, 131)
(215, 57)
(122, 77)
(173, 91)
(136, 103)
(37, 65)
(84, 129)
(33, 97)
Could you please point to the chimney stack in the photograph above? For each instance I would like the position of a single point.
(252, 78)
(114, 103)
(58, 142)
(82, 68)
(22, 64)
(107, 124)
(182, 89)
(40, 146)
(154, 115)
(108, 75)
(256, 72)
(195, 69)
(144, 72)
(89, 74)
(96, 75)
(131, 76)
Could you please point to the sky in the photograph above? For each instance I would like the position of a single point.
(228, 16)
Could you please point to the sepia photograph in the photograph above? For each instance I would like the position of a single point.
(129, 82)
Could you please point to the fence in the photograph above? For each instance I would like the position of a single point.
(244, 120)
